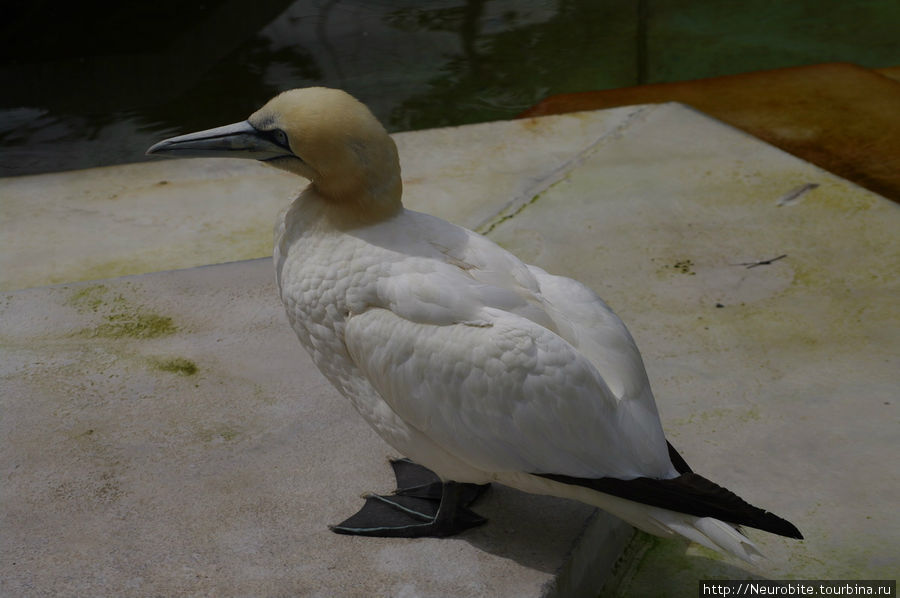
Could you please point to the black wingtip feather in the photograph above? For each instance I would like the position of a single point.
(677, 460)
(689, 493)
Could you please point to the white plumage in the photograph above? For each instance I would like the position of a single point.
(433, 330)
(470, 362)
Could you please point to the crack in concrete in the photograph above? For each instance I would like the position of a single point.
(558, 174)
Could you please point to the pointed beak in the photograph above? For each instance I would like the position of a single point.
(239, 140)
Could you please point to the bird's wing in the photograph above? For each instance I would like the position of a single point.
(598, 333)
(494, 388)
(561, 304)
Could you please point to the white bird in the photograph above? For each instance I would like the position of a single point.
(473, 364)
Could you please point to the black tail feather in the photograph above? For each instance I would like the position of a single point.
(688, 493)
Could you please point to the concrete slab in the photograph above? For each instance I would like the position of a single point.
(151, 428)
(169, 214)
(762, 292)
(848, 130)
(165, 434)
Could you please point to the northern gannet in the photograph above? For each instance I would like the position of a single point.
(476, 366)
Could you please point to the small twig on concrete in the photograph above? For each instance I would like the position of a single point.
(793, 196)
(762, 262)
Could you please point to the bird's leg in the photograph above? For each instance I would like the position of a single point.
(452, 517)
(422, 506)
(415, 480)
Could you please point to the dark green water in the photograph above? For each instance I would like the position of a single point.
(95, 83)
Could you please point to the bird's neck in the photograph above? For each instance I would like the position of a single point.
(350, 202)
(339, 209)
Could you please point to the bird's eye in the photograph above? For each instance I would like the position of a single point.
(281, 138)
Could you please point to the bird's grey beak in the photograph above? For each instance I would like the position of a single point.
(239, 140)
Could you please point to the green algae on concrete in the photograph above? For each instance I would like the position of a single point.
(176, 365)
(684, 563)
(683, 266)
(90, 297)
(123, 317)
(135, 325)
(221, 433)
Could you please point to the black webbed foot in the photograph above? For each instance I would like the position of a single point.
(422, 506)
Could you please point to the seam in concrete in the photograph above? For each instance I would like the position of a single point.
(541, 184)
(591, 560)
(627, 565)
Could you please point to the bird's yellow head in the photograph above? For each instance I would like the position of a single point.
(324, 135)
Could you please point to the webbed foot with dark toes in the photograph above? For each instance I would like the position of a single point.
(421, 507)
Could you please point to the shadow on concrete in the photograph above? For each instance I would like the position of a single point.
(530, 529)
(678, 567)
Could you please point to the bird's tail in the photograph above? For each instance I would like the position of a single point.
(706, 531)
(688, 505)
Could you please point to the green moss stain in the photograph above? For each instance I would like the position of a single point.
(667, 268)
(123, 318)
(518, 210)
(709, 418)
(681, 564)
(682, 266)
(249, 242)
(89, 298)
(135, 325)
(221, 433)
(177, 365)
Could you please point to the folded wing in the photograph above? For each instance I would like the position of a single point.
(505, 394)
